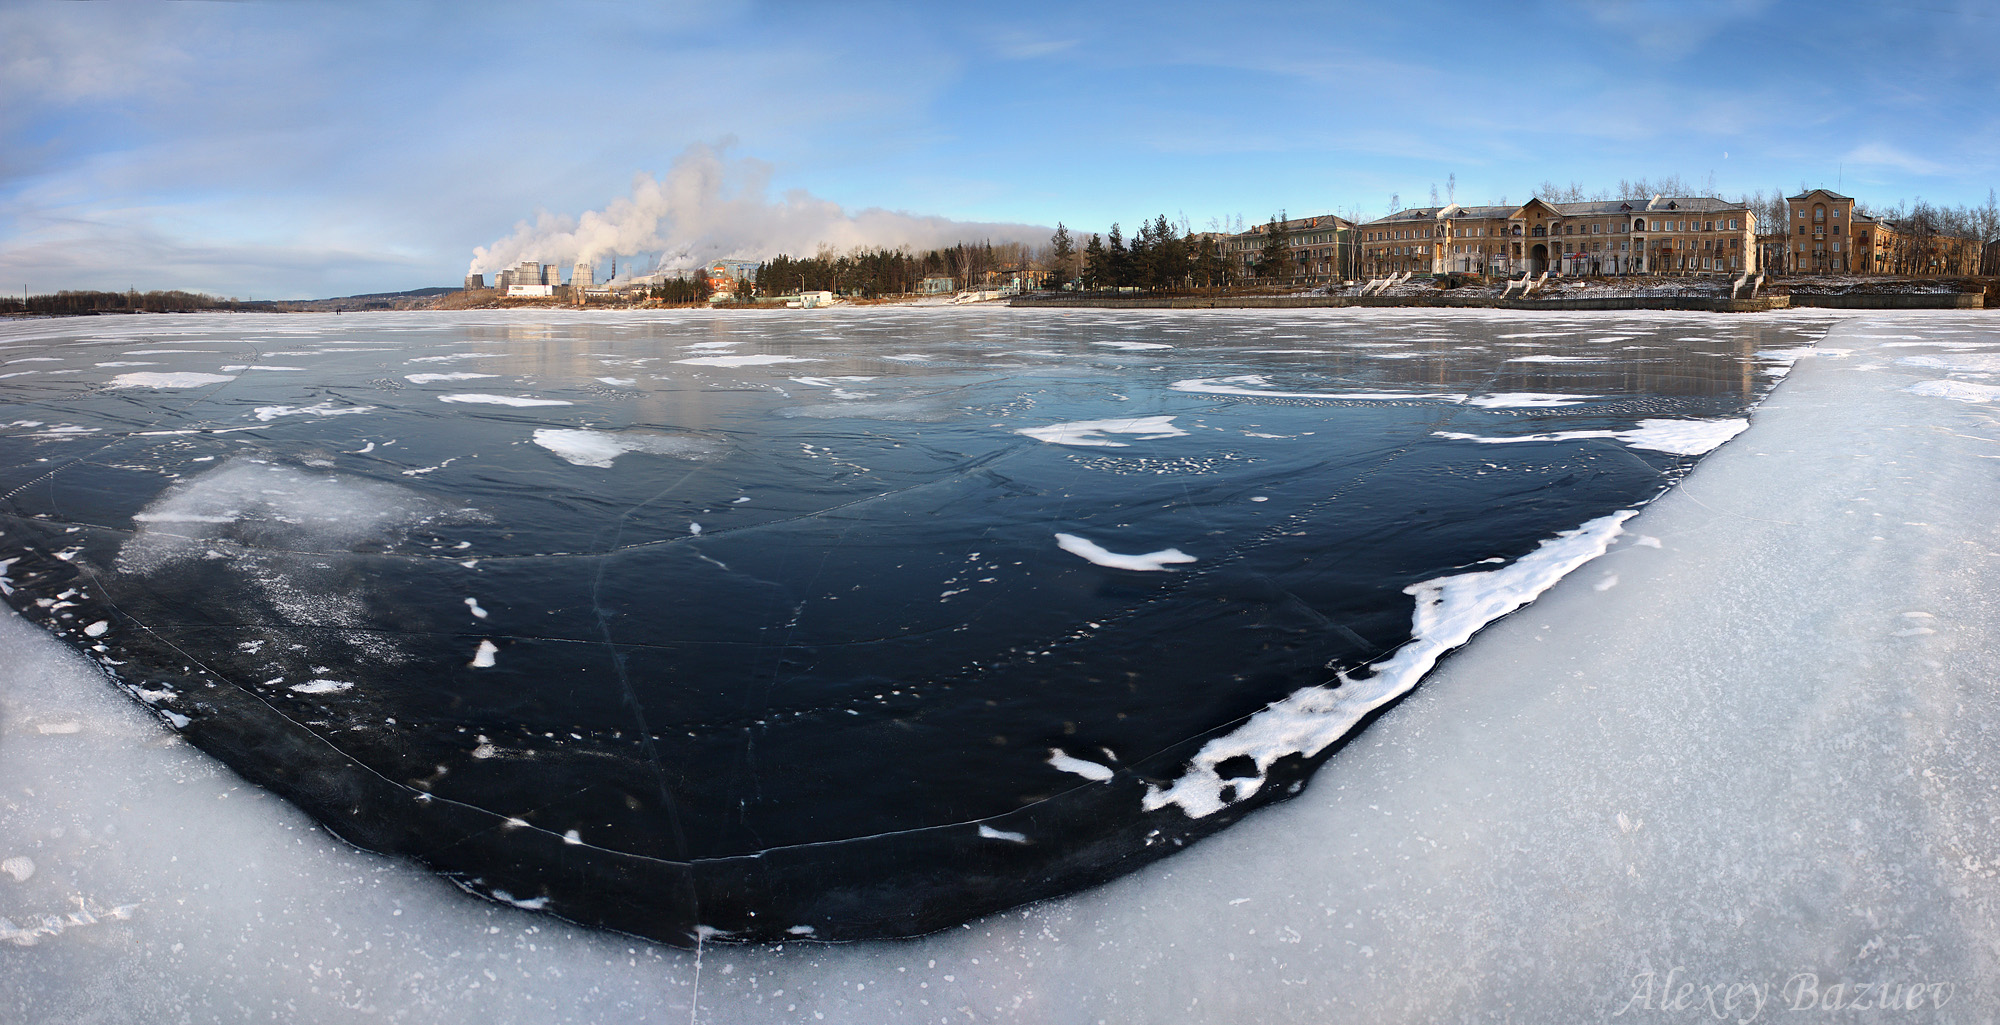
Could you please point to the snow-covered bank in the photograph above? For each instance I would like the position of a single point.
(1749, 745)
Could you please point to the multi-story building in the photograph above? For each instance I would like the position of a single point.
(1826, 234)
(1322, 248)
(1663, 235)
(1822, 235)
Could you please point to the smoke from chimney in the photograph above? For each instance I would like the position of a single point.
(707, 208)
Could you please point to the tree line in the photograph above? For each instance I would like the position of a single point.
(876, 272)
(683, 290)
(1160, 256)
(81, 303)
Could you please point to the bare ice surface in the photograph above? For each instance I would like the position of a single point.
(1762, 762)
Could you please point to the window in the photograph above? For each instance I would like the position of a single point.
(1732, 224)
(1836, 229)
(1802, 229)
(1596, 229)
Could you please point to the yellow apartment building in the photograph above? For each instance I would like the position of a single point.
(1661, 235)
(1322, 248)
(1825, 234)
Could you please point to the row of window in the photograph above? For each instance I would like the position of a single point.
(1735, 261)
(1592, 228)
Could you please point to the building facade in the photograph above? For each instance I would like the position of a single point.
(1826, 234)
(1321, 249)
(1661, 235)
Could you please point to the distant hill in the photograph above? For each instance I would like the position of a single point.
(413, 299)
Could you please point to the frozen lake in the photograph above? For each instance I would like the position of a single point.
(1677, 758)
(848, 624)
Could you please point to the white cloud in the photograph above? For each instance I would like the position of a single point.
(1883, 155)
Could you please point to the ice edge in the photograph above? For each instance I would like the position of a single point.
(1449, 610)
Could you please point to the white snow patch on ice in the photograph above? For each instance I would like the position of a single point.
(434, 378)
(1259, 386)
(483, 658)
(601, 448)
(174, 379)
(445, 359)
(501, 400)
(529, 904)
(1092, 432)
(1525, 400)
(1089, 770)
(1151, 562)
(743, 361)
(1963, 391)
(20, 867)
(1133, 346)
(1000, 834)
(1679, 437)
(322, 686)
(1449, 610)
(269, 413)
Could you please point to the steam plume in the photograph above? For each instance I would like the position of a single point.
(707, 208)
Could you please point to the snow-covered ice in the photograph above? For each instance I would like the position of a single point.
(1963, 391)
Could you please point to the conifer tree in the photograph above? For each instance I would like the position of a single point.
(1117, 258)
(1276, 259)
(1061, 252)
(1096, 263)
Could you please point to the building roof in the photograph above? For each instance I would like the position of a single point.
(1829, 193)
(1690, 204)
(1291, 224)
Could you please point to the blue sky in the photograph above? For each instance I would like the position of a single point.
(304, 149)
